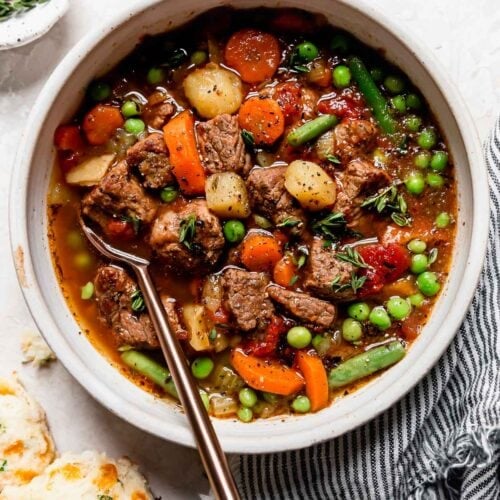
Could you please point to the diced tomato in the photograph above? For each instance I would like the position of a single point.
(387, 264)
(267, 345)
(120, 229)
(342, 105)
(288, 97)
(68, 138)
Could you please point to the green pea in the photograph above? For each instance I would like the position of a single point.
(317, 341)
(359, 311)
(130, 108)
(419, 263)
(299, 337)
(74, 240)
(169, 194)
(206, 400)
(394, 84)
(270, 398)
(341, 76)
(83, 260)
(155, 75)
(439, 161)
(307, 51)
(134, 126)
(413, 123)
(435, 180)
(234, 231)
(245, 414)
(427, 138)
(352, 331)
(417, 246)
(301, 404)
(422, 159)
(87, 291)
(417, 299)
(340, 43)
(428, 283)
(442, 220)
(413, 101)
(99, 91)
(415, 183)
(377, 74)
(398, 308)
(202, 367)
(379, 318)
(247, 397)
(398, 103)
(198, 57)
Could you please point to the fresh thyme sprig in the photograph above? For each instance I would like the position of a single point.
(11, 8)
(289, 222)
(137, 300)
(388, 200)
(187, 231)
(330, 226)
(356, 282)
(351, 255)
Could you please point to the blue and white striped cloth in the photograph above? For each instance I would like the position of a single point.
(442, 441)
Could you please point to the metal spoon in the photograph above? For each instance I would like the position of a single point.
(212, 456)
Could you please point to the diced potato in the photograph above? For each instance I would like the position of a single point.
(91, 171)
(227, 195)
(212, 293)
(213, 90)
(194, 319)
(310, 185)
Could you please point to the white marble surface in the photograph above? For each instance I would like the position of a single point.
(463, 35)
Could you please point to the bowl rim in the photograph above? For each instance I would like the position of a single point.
(33, 294)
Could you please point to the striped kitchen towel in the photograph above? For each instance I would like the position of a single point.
(441, 441)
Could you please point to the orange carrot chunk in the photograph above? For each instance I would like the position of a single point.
(179, 137)
(260, 252)
(255, 55)
(314, 373)
(100, 123)
(68, 138)
(284, 272)
(268, 376)
(263, 118)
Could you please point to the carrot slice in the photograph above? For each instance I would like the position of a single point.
(100, 123)
(314, 372)
(255, 55)
(268, 376)
(260, 252)
(263, 118)
(284, 272)
(179, 137)
(68, 138)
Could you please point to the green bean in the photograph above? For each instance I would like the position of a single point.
(372, 94)
(311, 129)
(151, 369)
(365, 364)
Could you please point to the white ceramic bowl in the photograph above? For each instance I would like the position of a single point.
(100, 50)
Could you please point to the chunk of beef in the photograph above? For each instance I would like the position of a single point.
(158, 109)
(354, 138)
(359, 179)
(113, 292)
(203, 238)
(325, 275)
(119, 193)
(246, 298)
(311, 310)
(221, 146)
(268, 196)
(174, 322)
(150, 157)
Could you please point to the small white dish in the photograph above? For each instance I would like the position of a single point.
(32, 24)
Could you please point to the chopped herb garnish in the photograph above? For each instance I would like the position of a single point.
(295, 63)
(433, 255)
(389, 201)
(352, 256)
(12, 8)
(356, 282)
(333, 159)
(293, 280)
(289, 222)
(301, 261)
(213, 334)
(330, 226)
(137, 300)
(135, 221)
(248, 138)
(338, 287)
(3, 465)
(262, 221)
(187, 231)
(175, 58)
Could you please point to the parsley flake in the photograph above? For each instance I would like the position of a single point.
(137, 300)
(187, 231)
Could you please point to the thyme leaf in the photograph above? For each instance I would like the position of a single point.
(187, 231)
(289, 222)
(132, 219)
(3, 465)
(248, 138)
(175, 58)
(137, 301)
(333, 159)
(352, 256)
(388, 200)
(330, 226)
